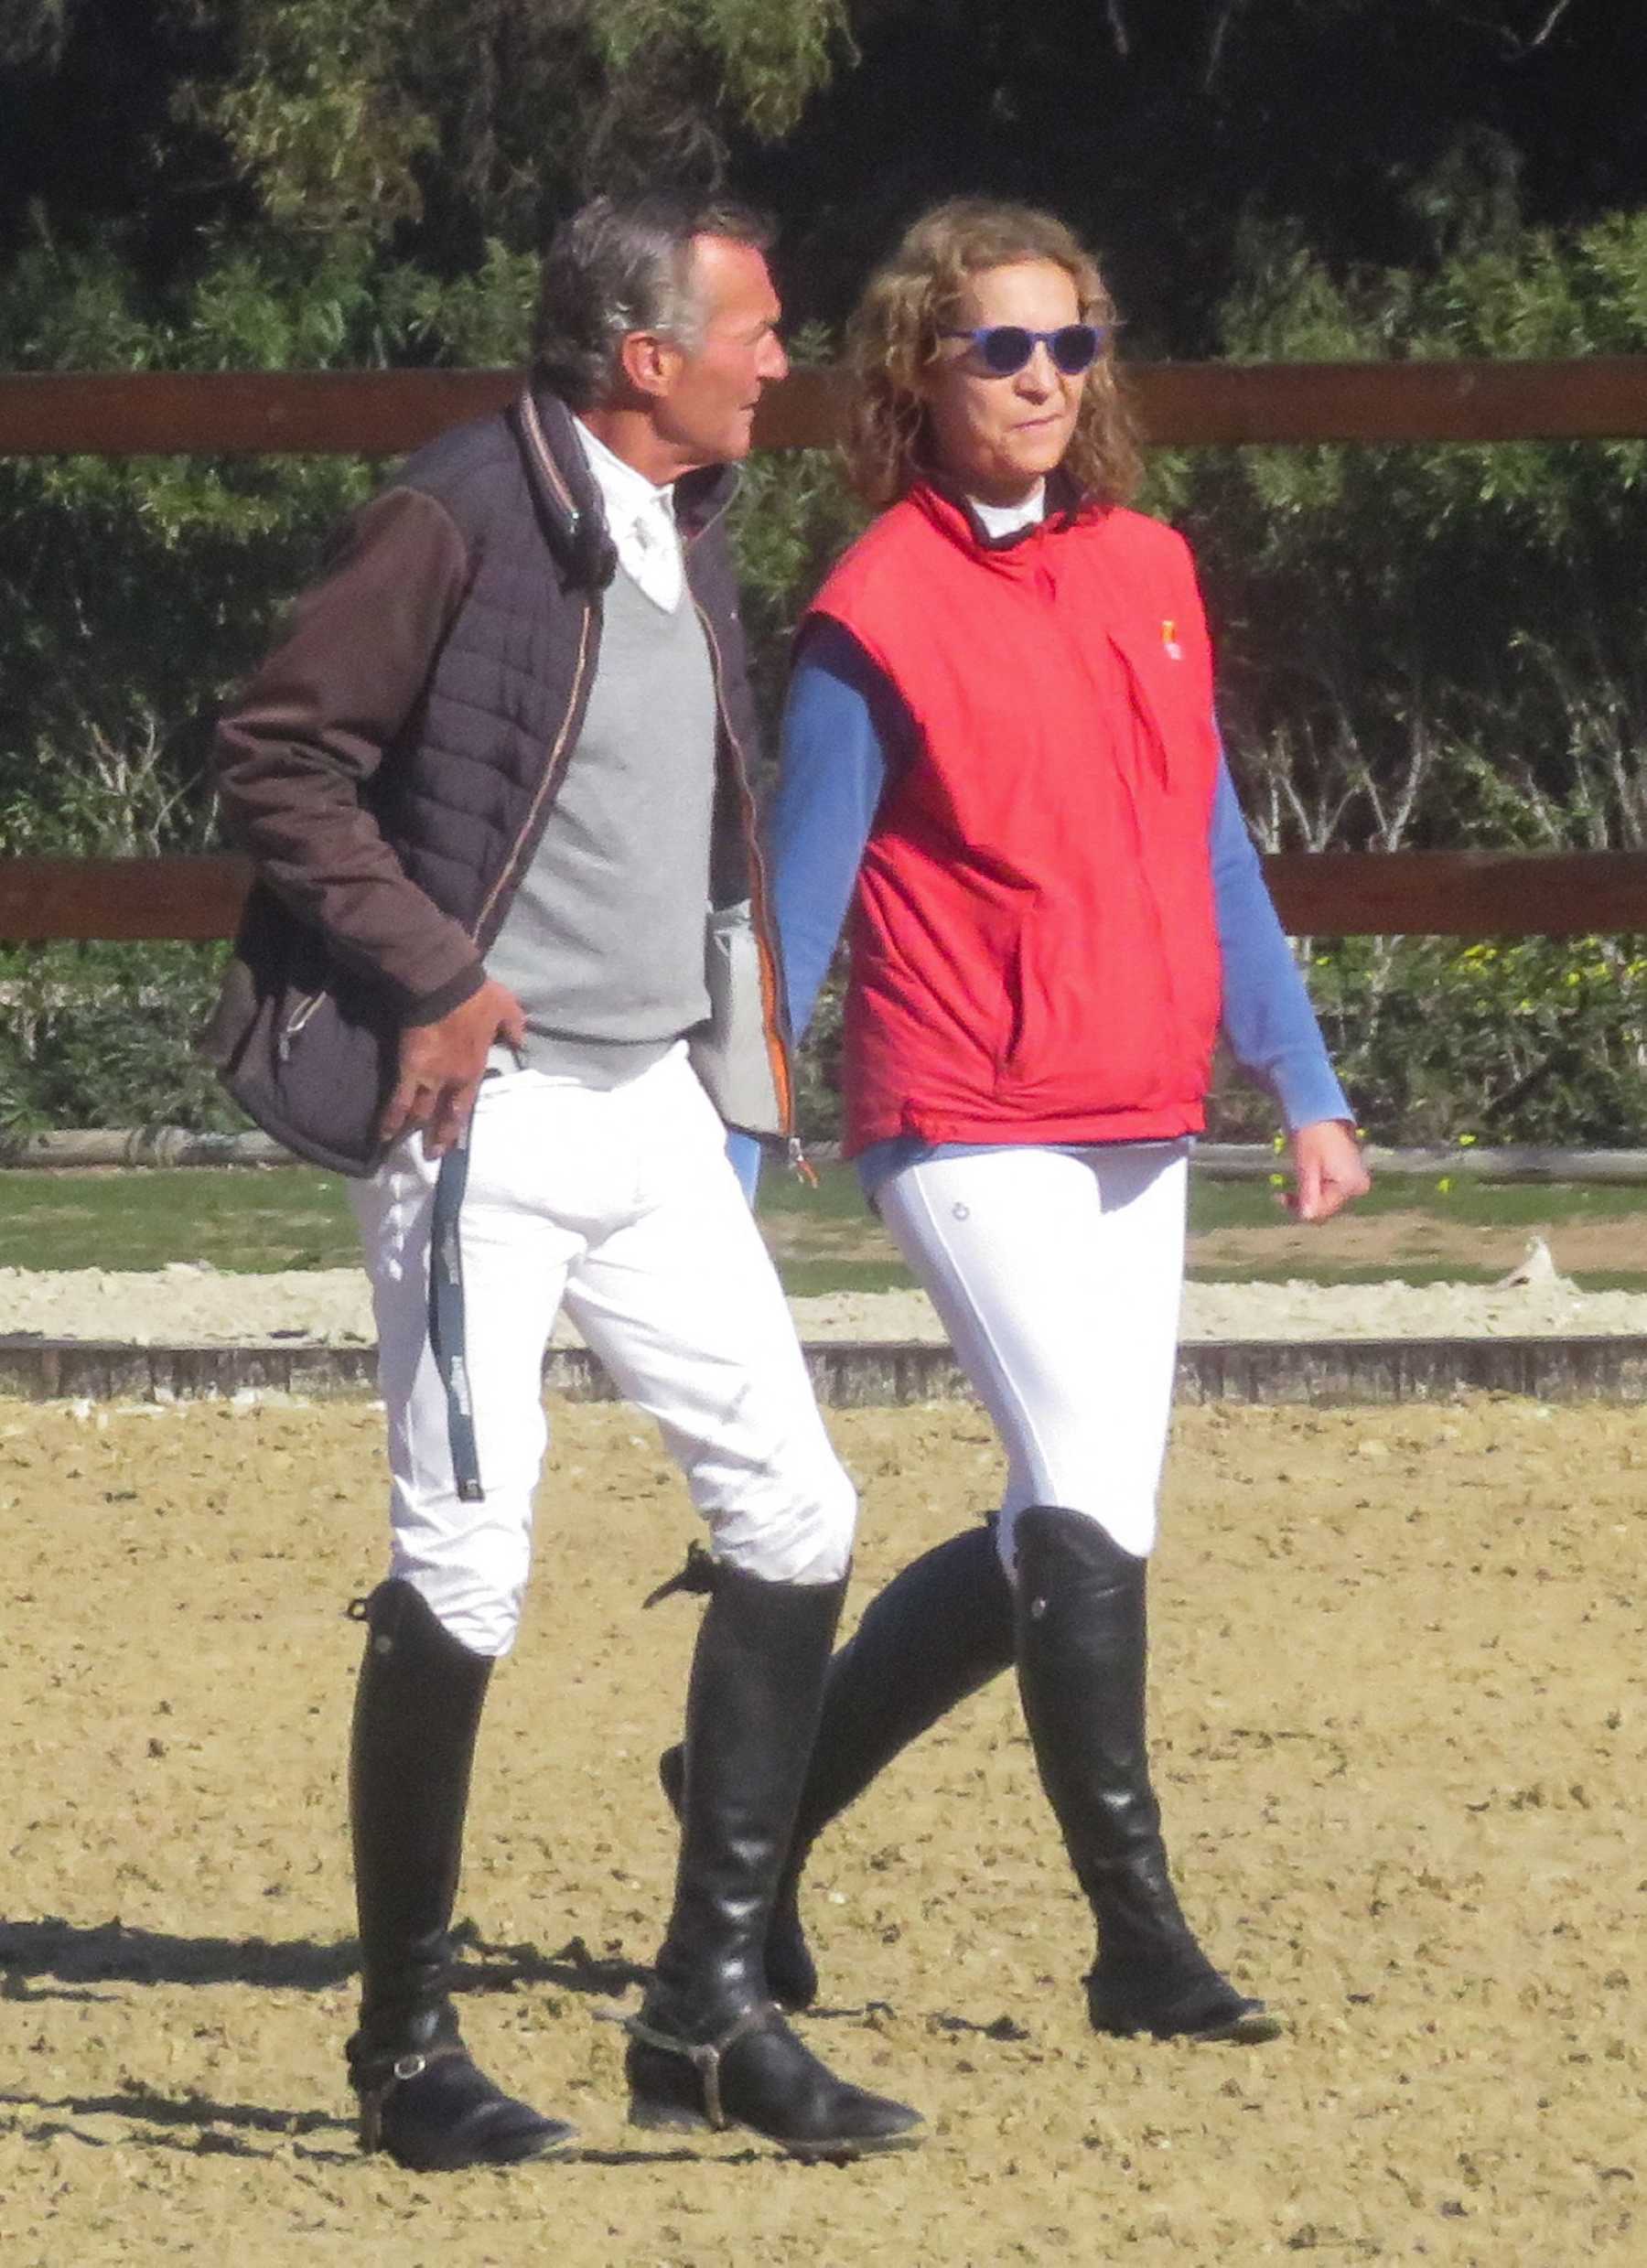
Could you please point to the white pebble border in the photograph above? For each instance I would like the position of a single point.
(190, 1303)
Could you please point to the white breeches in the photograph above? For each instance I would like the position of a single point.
(620, 1205)
(1058, 1279)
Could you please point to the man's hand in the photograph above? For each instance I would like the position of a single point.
(1327, 1172)
(442, 1065)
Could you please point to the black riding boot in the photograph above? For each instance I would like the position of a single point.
(940, 1629)
(417, 1711)
(708, 2047)
(1081, 1640)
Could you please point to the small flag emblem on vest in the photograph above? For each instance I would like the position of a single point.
(1175, 652)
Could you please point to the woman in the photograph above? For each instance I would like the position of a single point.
(1000, 751)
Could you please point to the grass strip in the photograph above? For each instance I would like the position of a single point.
(277, 1219)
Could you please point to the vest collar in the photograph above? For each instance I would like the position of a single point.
(563, 488)
(946, 507)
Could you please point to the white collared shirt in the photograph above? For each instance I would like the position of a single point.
(1001, 520)
(640, 521)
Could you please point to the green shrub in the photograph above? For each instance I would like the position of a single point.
(102, 1035)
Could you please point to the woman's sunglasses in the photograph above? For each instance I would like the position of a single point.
(1005, 348)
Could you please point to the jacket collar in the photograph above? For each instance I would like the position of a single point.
(703, 496)
(568, 501)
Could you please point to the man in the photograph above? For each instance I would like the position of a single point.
(494, 782)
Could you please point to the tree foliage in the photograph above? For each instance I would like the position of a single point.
(1424, 645)
(33, 32)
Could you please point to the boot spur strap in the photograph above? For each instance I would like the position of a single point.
(695, 1578)
(705, 2056)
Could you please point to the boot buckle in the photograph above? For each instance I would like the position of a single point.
(407, 2067)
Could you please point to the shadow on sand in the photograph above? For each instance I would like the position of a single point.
(37, 1955)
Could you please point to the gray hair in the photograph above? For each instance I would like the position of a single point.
(622, 266)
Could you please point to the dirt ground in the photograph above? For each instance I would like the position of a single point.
(1400, 1709)
(1405, 1239)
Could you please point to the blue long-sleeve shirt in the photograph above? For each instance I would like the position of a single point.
(846, 732)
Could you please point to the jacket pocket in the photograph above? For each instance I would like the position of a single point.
(311, 1062)
(1172, 703)
(1089, 1022)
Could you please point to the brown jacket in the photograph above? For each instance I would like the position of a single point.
(391, 766)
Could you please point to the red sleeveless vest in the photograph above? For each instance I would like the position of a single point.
(1034, 948)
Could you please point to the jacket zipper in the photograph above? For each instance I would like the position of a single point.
(560, 752)
(552, 770)
(295, 1023)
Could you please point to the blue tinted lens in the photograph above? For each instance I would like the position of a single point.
(1074, 349)
(1006, 347)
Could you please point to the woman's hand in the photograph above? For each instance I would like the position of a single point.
(1327, 1172)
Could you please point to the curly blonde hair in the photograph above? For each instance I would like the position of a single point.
(892, 340)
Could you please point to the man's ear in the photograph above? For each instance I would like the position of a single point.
(649, 362)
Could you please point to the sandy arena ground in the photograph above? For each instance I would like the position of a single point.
(1399, 1668)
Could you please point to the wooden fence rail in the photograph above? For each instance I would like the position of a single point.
(1185, 405)
(1463, 894)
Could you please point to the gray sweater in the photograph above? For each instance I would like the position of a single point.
(604, 943)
